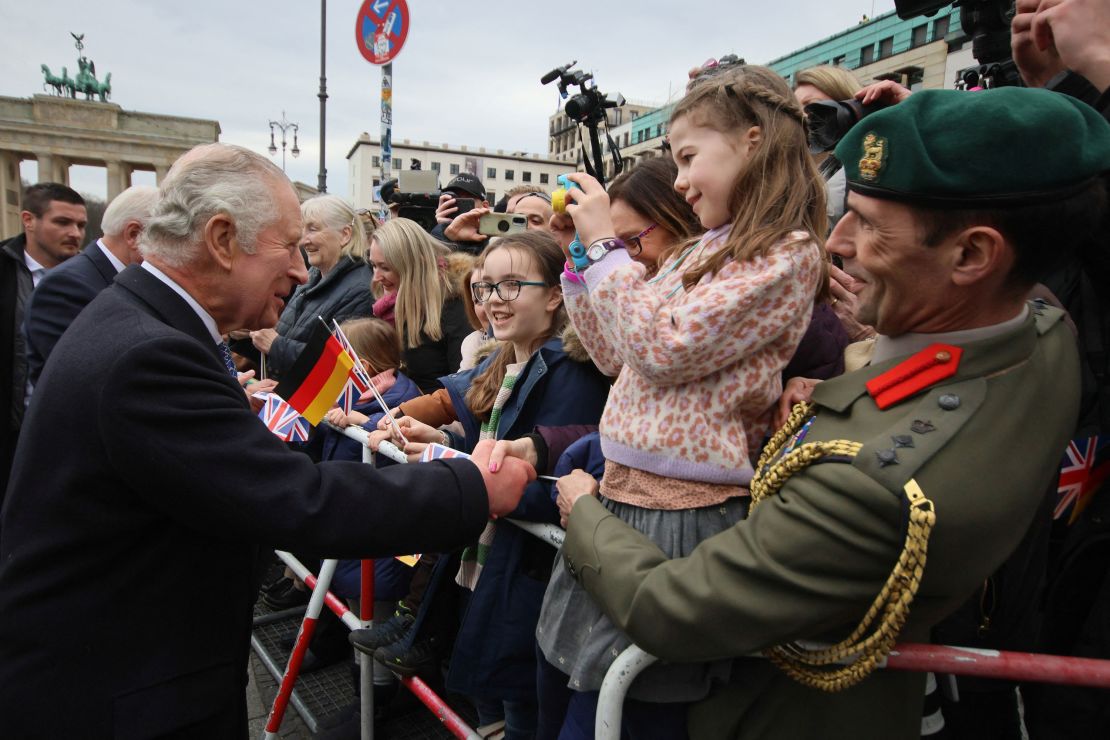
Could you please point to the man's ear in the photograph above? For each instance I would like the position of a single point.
(981, 253)
(132, 231)
(220, 240)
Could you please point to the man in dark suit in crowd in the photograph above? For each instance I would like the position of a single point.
(66, 290)
(54, 220)
(129, 544)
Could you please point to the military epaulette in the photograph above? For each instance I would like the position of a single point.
(894, 456)
(928, 367)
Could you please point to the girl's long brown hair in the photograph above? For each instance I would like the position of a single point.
(542, 249)
(780, 190)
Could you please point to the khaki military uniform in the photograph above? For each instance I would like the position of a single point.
(982, 445)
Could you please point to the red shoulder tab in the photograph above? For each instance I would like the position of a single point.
(931, 365)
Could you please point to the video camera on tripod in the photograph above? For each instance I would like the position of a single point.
(987, 22)
(587, 108)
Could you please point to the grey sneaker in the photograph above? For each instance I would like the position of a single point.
(386, 633)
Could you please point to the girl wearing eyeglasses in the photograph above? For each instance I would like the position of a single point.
(530, 380)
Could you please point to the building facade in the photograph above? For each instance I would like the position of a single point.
(562, 132)
(498, 170)
(913, 52)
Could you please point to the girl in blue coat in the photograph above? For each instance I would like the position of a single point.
(379, 348)
(529, 380)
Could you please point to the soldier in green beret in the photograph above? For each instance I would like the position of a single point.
(885, 500)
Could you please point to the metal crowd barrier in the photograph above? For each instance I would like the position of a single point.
(321, 597)
(997, 664)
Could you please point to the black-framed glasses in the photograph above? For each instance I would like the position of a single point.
(634, 241)
(507, 290)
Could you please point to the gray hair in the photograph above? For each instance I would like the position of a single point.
(335, 212)
(208, 180)
(134, 204)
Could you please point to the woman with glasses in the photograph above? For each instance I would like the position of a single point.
(530, 380)
(416, 283)
(648, 215)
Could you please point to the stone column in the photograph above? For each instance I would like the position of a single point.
(52, 168)
(119, 178)
(160, 171)
(10, 194)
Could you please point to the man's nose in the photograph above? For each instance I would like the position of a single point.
(841, 240)
(297, 270)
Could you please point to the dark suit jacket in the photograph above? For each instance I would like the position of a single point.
(57, 300)
(142, 490)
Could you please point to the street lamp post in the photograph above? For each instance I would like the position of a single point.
(284, 125)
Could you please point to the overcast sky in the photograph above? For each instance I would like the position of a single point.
(468, 72)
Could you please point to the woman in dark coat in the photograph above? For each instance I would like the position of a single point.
(338, 286)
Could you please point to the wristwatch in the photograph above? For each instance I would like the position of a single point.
(602, 247)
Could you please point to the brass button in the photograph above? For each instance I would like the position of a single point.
(943, 356)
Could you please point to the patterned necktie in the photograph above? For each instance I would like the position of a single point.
(225, 352)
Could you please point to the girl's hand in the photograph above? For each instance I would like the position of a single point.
(413, 450)
(589, 207)
(797, 390)
(376, 438)
(336, 417)
(522, 449)
(571, 488)
(561, 226)
(414, 431)
(465, 227)
(263, 339)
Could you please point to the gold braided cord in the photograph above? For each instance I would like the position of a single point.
(859, 655)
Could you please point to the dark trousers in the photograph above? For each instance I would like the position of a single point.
(570, 715)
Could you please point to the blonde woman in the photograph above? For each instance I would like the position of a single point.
(416, 283)
(338, 284)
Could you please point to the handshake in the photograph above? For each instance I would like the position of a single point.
(505, 478)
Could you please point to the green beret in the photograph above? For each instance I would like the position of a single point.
(992, 148)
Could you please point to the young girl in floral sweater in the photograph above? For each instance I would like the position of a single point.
(699, 349)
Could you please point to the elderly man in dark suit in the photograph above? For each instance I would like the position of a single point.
(70, 287)
(129, 544)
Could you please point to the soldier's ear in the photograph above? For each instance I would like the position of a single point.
(982, 255)
(220, 240)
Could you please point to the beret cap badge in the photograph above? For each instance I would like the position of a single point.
(874, 150)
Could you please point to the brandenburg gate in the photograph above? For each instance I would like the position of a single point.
(60, 131)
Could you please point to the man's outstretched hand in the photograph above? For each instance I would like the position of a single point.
(505, 487)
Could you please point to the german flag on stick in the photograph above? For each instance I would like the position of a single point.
(317, 377)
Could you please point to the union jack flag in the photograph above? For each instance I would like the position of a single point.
(440, 452)
(360, 377)
(1082, 471)
(350, 396)
(282, 419)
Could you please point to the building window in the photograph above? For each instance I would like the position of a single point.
(491, 173)
(543, 178)
(919, 35)
(509, 175)
(867, 54)
(526, 176)
(626, 138)
(886, 47)
(454, 169)
(659, 129)
(940, 28)
(377, 161)
(377, 182)
(398, 164)
(491, 197)
(837, 61)
(435, 166)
